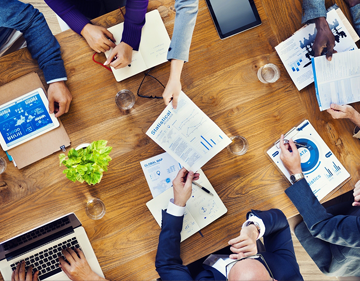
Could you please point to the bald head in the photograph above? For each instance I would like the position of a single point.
(249, 269)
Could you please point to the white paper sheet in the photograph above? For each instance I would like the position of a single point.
(322, 170)
(296, 52)
(188, 134)
(337, 81)
(160, 171)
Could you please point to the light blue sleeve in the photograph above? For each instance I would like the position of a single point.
(355, 13)
(313, 9)
(185, 19)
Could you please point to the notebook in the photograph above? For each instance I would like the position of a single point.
(153, 49)
(322, 170)
(201, 209)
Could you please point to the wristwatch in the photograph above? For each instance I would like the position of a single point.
(254, 223)
(296, 177)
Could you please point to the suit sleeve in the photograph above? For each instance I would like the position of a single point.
(313, 9)
(168, 262)
(341, 230)
(277, 236)
(186, 13)
(42, 45)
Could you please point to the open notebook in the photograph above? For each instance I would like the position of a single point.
(201, 209)
(154, 45)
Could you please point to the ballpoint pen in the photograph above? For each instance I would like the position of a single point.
(203, 188)
(298, 144)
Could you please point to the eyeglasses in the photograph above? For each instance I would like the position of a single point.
(250, 257)
(142, 81)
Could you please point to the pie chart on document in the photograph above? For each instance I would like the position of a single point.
(309, 155)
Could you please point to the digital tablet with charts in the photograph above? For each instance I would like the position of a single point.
(322, 170)
(25, 118)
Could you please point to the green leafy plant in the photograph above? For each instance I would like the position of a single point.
(87, 164)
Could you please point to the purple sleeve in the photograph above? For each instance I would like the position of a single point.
(66, 10)
(134, 21)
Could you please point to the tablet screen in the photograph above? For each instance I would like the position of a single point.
(23, 119)
(233, 16)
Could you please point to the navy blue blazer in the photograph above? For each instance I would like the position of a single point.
(330, 236)
(279, 255)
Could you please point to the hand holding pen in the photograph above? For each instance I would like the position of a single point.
(182, 185)
(120, 56)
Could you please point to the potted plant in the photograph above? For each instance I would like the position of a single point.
(87, 163)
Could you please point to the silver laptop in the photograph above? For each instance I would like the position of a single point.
(41, 247)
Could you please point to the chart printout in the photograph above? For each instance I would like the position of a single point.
(188, 134)
(296, 52)
(337, 81)
(23, 119)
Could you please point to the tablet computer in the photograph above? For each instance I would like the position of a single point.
(25, 118)
(233, 16)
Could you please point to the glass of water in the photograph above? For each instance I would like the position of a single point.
(238, 146)
(95, 208)
(3, 165)
(125, 99)
(269, 73)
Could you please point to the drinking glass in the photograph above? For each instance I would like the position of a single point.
(95, 208)
(125, 99)
(269, 73)
(3, 165)
(238, 146)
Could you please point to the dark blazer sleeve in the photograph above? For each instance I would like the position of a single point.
(168, 262)
(277, 237)
(341, 230)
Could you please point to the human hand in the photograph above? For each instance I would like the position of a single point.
(344, 111)
(245, 244)
(19, 273)
(172, 92)
(291, 160)
(357, 194)
(182, 185)
(59, 93)
(122, 54)
(324, 38)
(98, 38)
(77, 267)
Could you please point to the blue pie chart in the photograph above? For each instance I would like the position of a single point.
(314, 154)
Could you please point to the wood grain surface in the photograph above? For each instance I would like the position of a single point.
(221, 79)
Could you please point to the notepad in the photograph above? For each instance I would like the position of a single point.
(201, 209)
(153, 49)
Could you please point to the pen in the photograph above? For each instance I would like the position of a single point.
(298, 144)
(203, 188)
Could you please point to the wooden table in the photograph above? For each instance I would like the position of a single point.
(221, 79)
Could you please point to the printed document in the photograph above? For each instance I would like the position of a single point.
(296, 52)
(160, 171)
(153, 49)
(201, 209)
(337, 81)
(188, 134)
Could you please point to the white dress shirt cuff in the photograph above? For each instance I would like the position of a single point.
(57, 80)
(175, 210)
(258, 221)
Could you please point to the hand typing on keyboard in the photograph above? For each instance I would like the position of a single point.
(19, 273)
(76, 266)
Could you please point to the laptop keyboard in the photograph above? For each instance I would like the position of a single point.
(47, 261)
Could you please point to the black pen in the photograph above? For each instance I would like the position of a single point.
(203, 188)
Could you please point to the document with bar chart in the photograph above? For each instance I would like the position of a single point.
(188, 134)
(337, 81)
(322, 170)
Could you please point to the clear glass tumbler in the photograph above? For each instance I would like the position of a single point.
(95, 209)
(269, 73)
(125, 99)
(3, 165)
(238, 146)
